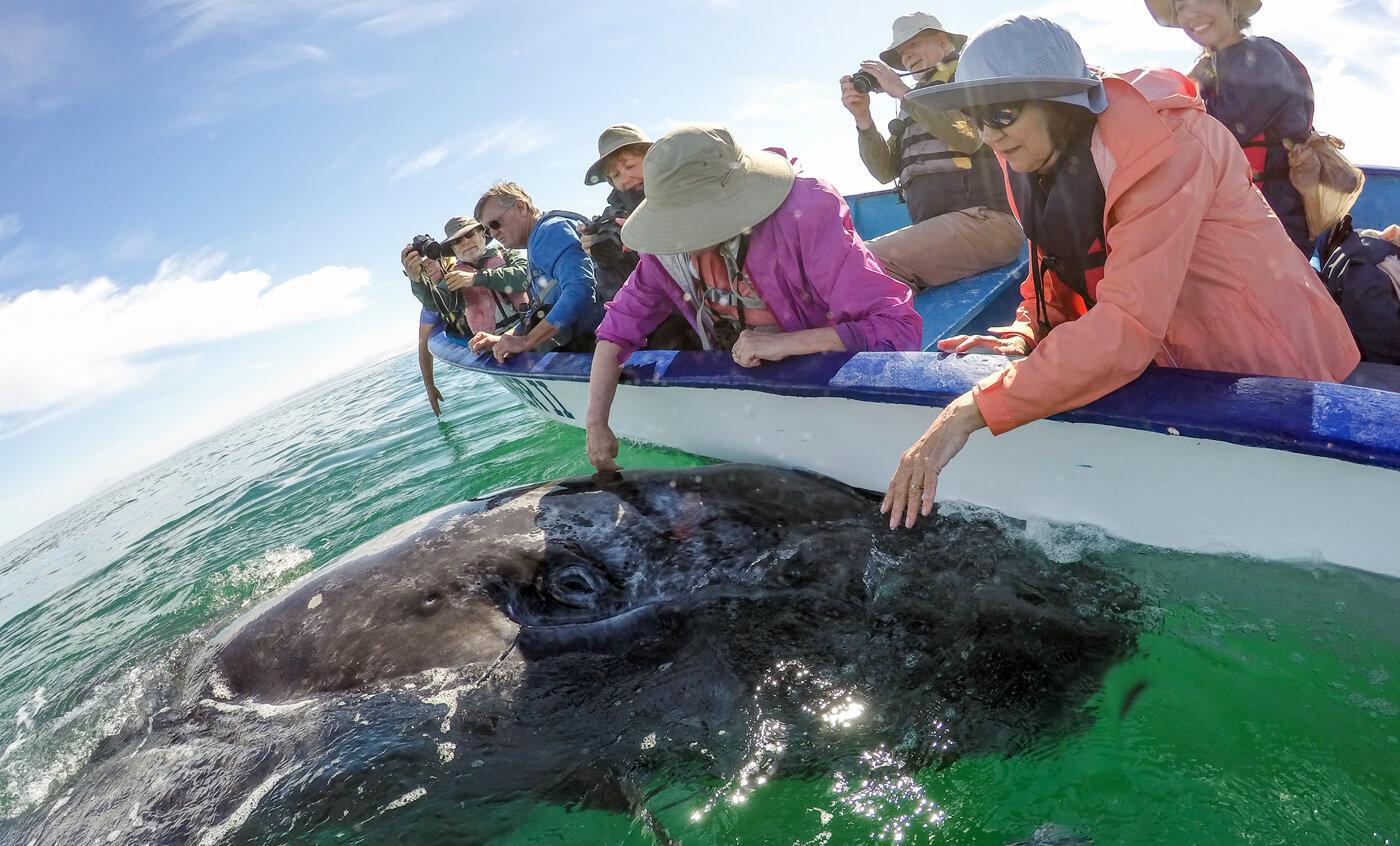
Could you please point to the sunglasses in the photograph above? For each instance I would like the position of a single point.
(998, 116)
(495, 225)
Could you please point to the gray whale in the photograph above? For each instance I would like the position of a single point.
(594, 641)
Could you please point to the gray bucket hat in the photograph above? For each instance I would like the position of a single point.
(1014, 59)
(1164, 11)
(906, 27)
(702, 190)
(458, 227)
(614, 138)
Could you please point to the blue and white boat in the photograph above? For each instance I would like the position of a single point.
(1278, 469)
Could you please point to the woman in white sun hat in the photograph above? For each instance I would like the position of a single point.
(1149, 244)
(1257, 88)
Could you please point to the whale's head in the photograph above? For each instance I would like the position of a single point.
(579, 565)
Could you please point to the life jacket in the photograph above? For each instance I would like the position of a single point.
(1258, 148)
(728, 295)
(920, 152)
(489, 310)
(1062, 215)
(1362, 273)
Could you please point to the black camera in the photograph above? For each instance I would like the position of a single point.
(606, 231)
(864, 82)
(607, 238)
(428, 247)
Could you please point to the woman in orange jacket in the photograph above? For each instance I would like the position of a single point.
(1149, 244)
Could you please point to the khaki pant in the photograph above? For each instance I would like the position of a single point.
(949, 247)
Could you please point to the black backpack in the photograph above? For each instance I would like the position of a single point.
(1366, 293)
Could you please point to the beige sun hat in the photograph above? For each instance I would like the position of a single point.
(702, 190)
(459, 227)
(906, 27)
(1164, 11)
(614, 138)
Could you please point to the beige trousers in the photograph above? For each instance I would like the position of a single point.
(949, 247)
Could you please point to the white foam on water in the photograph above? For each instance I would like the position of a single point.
(24, 722)
(240, 814)
(260, 576)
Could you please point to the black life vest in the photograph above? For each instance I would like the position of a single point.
(1368, 296)
(1062, 215)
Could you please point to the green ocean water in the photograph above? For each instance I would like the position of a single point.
(1265, 698)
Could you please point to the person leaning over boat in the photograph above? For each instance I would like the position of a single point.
(621, 149)
(962, 223)
(772, 260)
(1257, 88)
(479, 291)
(1148, 244)
(564, 307)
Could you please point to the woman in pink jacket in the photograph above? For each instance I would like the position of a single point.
(1149, 244)
(764, 264)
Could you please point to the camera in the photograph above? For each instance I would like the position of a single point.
(864, 82)
(607, 238)
(607, 232)
(428, 247)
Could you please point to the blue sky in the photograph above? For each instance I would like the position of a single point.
(202, 200)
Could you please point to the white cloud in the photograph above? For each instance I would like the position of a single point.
(63, 348)
(426, 160)
(513, 138)
(273, 59)
(191, 21)
(9, 226)
(39, 57)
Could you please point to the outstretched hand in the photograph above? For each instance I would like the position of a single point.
(602, 448)
(915, 482)
(434, 399)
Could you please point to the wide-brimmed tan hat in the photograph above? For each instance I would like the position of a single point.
(906, 27)
(614, 138)
(1164, 11)
(459, 227)
(702, 190)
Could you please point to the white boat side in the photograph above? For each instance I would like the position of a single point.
(1276, 469)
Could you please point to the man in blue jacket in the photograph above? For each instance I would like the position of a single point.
(564, 307)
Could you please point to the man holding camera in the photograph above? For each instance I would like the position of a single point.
(463, 285)
(563, 308)
(621, 150)
(953, 186)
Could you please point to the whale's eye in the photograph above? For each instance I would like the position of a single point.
(429, 603)
(576, 586)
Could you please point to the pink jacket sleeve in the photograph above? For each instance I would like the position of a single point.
(1150, 239)
(870, 310)
(639, 307)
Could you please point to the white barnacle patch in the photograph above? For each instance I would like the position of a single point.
(314, 603)
(448, 699)
(649, 742)
(407, 799)
(446, 752)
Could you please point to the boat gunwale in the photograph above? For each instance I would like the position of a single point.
(1350, 423)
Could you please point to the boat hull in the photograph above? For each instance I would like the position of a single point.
(1277, 469)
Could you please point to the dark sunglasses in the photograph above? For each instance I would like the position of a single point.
(998, 116)
(495, 225)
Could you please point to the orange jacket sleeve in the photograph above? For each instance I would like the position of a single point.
(1151, 234)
